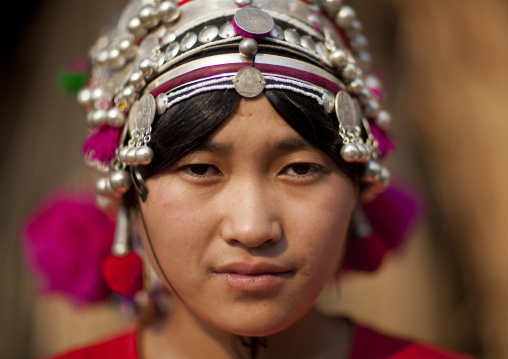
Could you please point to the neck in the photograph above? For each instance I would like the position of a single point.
(183, 335)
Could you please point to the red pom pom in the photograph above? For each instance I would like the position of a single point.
(124, 274)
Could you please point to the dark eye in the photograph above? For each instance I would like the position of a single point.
(201, 170)
(301, 169)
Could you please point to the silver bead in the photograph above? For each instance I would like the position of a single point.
(359, 43)
(356, 86)
(208, 33)
(143, 155)
(328, 102)
(349, 152)
(248, 47)
(84, 97)
(102, 57)
(332, 6)
(354, 29)
(364, 60)
(384, 120)
(345, 17)
(188, 41)
(372, 172)
(385, 177)
(136, 28)
(115, 117)
(129, 94)
(137, 80)
(96, 118)
(96, 93)
(103, 187)
(365, 96)
(148, 17)
(169, 11)
(115, 59)
(147, 67)
(122, 153)
(372, 108)
(161, 103)
(130, 156)
(363, 152)
(127, 48)
(292, 36)
(349, 72)
(339, 59)
(120, 181)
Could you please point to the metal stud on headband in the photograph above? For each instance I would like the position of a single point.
(160, 54)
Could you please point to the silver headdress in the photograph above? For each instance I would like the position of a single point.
(160, 53)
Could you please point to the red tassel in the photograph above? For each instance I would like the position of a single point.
(124, 274)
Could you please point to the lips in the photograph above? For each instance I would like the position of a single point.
(253, 277)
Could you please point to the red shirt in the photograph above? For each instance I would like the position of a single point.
(368, 344)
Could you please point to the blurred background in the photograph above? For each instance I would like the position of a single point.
(445, 64)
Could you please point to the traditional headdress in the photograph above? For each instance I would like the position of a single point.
(160, 53)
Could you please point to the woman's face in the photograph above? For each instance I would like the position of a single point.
(250, 227)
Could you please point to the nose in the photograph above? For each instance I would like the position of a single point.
(250, 216)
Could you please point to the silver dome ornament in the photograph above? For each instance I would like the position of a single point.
(115, 117)
(137, 80)
(168, 38)
(372, 172)
(171, 51)
(243, 2)
(349, 72)
(277, 33)
(161, 103)
(332, 6)
(188, 41)
(208, 33)
(144, 155)
(148, 16)
(253, 21)
(127, 48)
(339, 58)
(248, 47)
(136, 28)
(227, 30)
(96, 118)
(168, 11)
(120, 181)
(384, 120)
(115, 59)
(322, 51)
(292, 36)
(328, 101)
(345, 17)
(349, 152)
(147, 67)
(308, 43)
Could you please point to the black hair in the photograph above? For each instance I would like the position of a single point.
(185, 126)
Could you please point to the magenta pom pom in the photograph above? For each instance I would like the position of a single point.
(65, 241)
(385, 143)
(102, 143)
(391, 217)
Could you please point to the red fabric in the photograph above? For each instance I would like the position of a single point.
(124, 274)
(368, 344)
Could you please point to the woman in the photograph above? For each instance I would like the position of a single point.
(240, 138)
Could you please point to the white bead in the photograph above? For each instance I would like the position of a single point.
(96, 93)
(84, 97)
(115, 59)
(384, 120)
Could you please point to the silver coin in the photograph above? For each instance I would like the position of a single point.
(292, 36)
(277, 32)
(345, 110)
(145, 112)
(254, 21)
(227, 30)
(188, 41)
(131, 120)
(308, 43)
(249, 82)
(208, 33)
(172, 51)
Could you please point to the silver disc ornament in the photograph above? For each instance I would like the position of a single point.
(145, 112)
(345, 111)
(254, 22)
(249, 82)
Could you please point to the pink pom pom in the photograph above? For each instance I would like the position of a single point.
(391, 216)
(102, 143)
(385, 143)
(65, 241)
